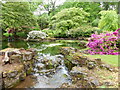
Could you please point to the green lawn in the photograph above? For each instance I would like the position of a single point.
(110, 59)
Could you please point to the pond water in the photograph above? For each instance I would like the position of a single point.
(46, 78)
(44, 47)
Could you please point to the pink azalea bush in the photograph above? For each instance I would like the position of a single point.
(104, 43)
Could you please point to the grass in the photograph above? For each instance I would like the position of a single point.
(109, 59)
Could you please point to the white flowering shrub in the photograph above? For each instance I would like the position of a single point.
(36, 35)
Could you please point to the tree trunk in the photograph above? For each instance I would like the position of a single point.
(119, 7)
(106, 5)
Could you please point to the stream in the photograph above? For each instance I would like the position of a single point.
(47, 75)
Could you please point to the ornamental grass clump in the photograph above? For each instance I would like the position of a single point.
(104, 43)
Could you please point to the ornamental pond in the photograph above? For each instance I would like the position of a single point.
(46, 77)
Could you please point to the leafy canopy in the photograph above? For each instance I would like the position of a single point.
(69, 18)
(91, 7)
(17, 14)
(109, 20)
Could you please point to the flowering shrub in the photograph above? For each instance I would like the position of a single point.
(36, 34)
(104, 43)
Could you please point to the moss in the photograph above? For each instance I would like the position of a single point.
(14, 84)
(69, 57)
(49, 66)
(68, 64)
(29, 71)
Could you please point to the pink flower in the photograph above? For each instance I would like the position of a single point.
(115, 33)
(118, 29)
(104, 43)
(108, 34)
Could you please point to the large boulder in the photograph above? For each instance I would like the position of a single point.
(17, 67)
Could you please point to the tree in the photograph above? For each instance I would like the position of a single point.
(69, 18)
(109, 20)
(15, 15)
(110, 5)
(91, 7)
(34, 5)
(49, 5)
(119, 7)
(43, 21)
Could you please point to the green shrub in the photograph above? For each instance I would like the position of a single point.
(108, 21)
(49, 32)
(83, 31)
(7, 34)
(56, 33)
(21, 34)
(60, 34)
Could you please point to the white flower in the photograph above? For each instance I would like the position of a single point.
(36, 34)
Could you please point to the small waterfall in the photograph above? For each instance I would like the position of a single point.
(59, 76)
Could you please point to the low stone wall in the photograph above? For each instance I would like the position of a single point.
(19, 65)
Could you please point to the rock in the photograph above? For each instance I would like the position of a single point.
(98, 60)
(1, 81)
(27, 55)
(91, 65)
(28, 68)
(59, 56)
(12, 74)
(90, 82)
(22, 77)
(107, 67)
(95, 82)
(2, 53)
(22, 64)
(33, 77)
(82, 44)
(67, 50)
(4, 75)
(111, 69)
(32, 50)
(40, 66)
(78, 72)
(15, 58)
(79, 59)
(51, 61)
(74, 56)
(103, 66)
(108, 83)
(6, 58)
(46, 72)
